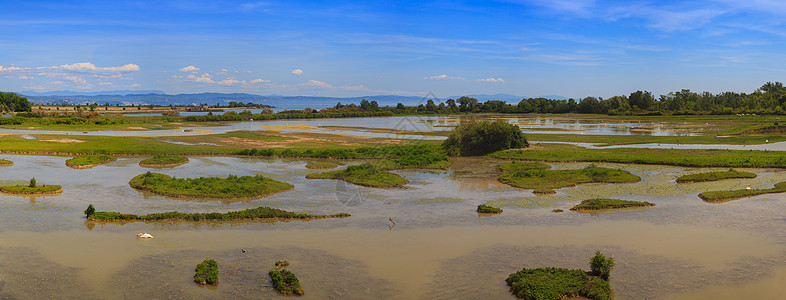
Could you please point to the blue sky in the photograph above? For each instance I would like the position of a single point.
(339, 48)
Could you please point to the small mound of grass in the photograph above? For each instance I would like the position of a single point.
(206, 272)
(163, 161)
(486, 209)
(363, 175)
(89, 161)
(209, 187)
(545, 181)
(715, 176)
(557, 283)
(601, 203)
(28, 190)
(261, 212)
(285, 281)
(316, 165)
(557, 210)
(6, 163)
(722, 196)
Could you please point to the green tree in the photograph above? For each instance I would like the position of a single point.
(90, 210)
(601, 266)
(480, 138)
(32, 182)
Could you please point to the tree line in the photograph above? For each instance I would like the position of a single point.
(13, 102)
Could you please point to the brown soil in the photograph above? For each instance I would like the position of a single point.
(64, 140)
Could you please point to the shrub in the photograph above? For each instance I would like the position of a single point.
(486, 209)
(90, 210)
(601, 266)
(206, 272)
(484, 137)
(285, 281)
(32, 182)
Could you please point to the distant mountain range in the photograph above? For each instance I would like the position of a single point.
(145, 97)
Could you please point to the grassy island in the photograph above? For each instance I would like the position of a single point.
(284, 281)
(209, 187)
(599, 204)
(259, 213)
(486, 209)
(6, 163)
(363, 175)
(31, 189)
(714, 176)
(163, 161)
(723, 196)
(545, 181)
(559, 283)
(674, 157)
(206, 272)
(317, 165)
(89, 161)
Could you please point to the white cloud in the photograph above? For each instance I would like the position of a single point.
(204, 78)
(443, 77)
(318, 83)
(259, 81)
(354, 88)
(76, 79)
(25, 77)
(104, 83)
(189, 69)
(89, 67)
(228, 81)
(135, 85)
(297, 72)
(490, 79)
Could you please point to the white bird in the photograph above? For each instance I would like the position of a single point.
(144, 236)
(748, 187)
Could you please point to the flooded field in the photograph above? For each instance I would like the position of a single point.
(682, 248)
(546, 125)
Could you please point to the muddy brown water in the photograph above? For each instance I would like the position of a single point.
(682, 248)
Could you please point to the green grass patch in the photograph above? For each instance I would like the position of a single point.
(545, 181)
(405, 156)
(28, 190)
(363, 175)
(206, 272)
(715, 176)
(6, 163)
(284, 281)
(161, 161)
(209, 187)
(321, 165)
(602, 203)
(261, 212)
(486, 209)
(723, 196)
(89, 161)
(557, 283)
(675, 157)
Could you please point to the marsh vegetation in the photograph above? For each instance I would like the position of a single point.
(284, 281)
(722, 196)
(206, 272)
(533, 176)
(258, 213)
(363, 175)
(89, 161)
(714, 176)
(209, 187)
(163, 161)
(486, 209)
(603, 203)
(560, 283)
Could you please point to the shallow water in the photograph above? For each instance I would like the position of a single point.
(440, 248)
(412, 123)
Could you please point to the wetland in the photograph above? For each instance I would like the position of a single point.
(681, 248)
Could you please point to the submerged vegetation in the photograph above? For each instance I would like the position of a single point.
(480, 138)
(284, 281)
(363, 175)
(598, 204)
(206, 272)
(545, 181)
(261, 212)
(714, 176)
(722, 196)
(675, 157)
(320, 165)
(486, 209)
(163, 161)
(209, 187)
(89, 161)
(559, 283)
